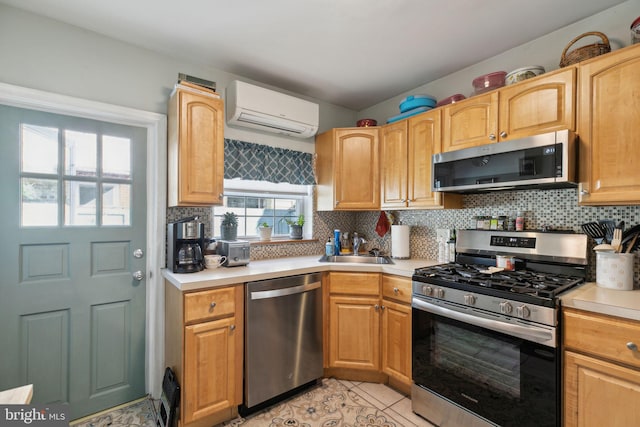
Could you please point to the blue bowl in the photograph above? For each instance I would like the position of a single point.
(417, 101)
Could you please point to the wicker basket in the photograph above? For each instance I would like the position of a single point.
(584, 52)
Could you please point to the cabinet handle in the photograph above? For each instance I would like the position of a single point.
(212, 305)
(232, 327)
(337, 202)
(396, 290)
(584, 192)
(632, 346)
(503, 134)
(376, 307)
(492, 136)
(221, 196)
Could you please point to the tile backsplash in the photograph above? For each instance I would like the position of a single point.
(554, 209)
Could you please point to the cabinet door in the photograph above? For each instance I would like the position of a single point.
(196, 141)
(539, 105)
(357, 175)
(470, 123)
(598, 393)
(608, 123)
(424, 141)
(209, 368)
(396, 340)
(393, 164)
(354, 332)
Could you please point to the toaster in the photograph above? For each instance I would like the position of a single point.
(237, 252)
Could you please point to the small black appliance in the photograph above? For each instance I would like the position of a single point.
(169, 401)
(185, 242)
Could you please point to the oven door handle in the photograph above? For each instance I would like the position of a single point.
(530, 333)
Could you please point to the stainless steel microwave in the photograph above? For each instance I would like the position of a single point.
(542, 161)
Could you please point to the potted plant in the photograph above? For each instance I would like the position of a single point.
(265, 231)
(295, 227)
(229, 226)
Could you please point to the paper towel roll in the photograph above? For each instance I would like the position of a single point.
(400, 241)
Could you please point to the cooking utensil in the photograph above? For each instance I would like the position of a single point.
(609, 225)
(594, 230)
(633, 242)
(604, 247)
(628, 235)
(616, 242)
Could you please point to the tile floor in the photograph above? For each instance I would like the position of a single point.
(389, 401)
(386, 399)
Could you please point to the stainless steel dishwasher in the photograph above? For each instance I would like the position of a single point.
(283, 337)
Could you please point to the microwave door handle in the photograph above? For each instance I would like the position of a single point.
(530, 333)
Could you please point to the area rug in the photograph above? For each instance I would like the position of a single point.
(137, 414)
(328, 405)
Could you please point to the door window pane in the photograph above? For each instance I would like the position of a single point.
(116, 204)
(39, 202)
(116, 157)
(39, 149)
(80, 153)
(80, 203)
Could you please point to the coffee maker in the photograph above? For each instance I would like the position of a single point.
(185, 240)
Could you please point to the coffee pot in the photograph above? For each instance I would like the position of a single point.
(185, 242)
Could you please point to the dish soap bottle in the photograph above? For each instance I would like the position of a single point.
(328, 247)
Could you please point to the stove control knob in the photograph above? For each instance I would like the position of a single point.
(523, 311)
(505, 307)
(439, 293)
(469, 299)
(427, 290)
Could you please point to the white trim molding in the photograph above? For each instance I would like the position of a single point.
(156, 125)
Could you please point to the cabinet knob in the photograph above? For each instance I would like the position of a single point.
(221, 196)
(492, 136)
(503, 134)
(376, 307)
(383, 307)
(584, 192)
(396, 290)
(632, 346)
(212, 305)
(232, 327)
(337, 202)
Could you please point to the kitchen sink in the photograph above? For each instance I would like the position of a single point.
(360, 259)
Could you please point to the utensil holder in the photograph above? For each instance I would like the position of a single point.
(614, 270)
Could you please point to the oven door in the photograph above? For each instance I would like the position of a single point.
(477, 362)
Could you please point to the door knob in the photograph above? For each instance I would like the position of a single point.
(138, 253)
(138, 275)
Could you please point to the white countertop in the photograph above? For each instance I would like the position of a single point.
(17, 396)
(612, 302)
(280, 267)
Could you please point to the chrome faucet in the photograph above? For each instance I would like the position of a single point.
(357, 241)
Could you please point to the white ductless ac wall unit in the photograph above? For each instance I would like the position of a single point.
(255, 107)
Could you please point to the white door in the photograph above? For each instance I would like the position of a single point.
(73, 228)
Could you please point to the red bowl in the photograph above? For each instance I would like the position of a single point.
(450, 100)
(363, 123)
(489, 81)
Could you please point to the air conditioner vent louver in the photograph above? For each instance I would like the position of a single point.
(269, 111)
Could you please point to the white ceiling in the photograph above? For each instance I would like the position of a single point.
(353, 53)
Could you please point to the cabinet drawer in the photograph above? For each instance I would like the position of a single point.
(354, 283)
(397, 288)
(601, 335)
(206, 305)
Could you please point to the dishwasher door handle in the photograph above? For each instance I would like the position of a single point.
(285, 291)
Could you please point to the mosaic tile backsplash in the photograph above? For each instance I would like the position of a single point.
(554, 209)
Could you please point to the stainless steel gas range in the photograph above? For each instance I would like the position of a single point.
(486, 341)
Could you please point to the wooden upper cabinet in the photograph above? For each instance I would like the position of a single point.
(348, 169)
(470, 123)
(195, 148)
(608, 125)
(538, 105)
(406, 150)
(393, 165)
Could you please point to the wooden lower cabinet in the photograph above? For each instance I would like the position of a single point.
(601, 370)
(204, 347)
(368, 327)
